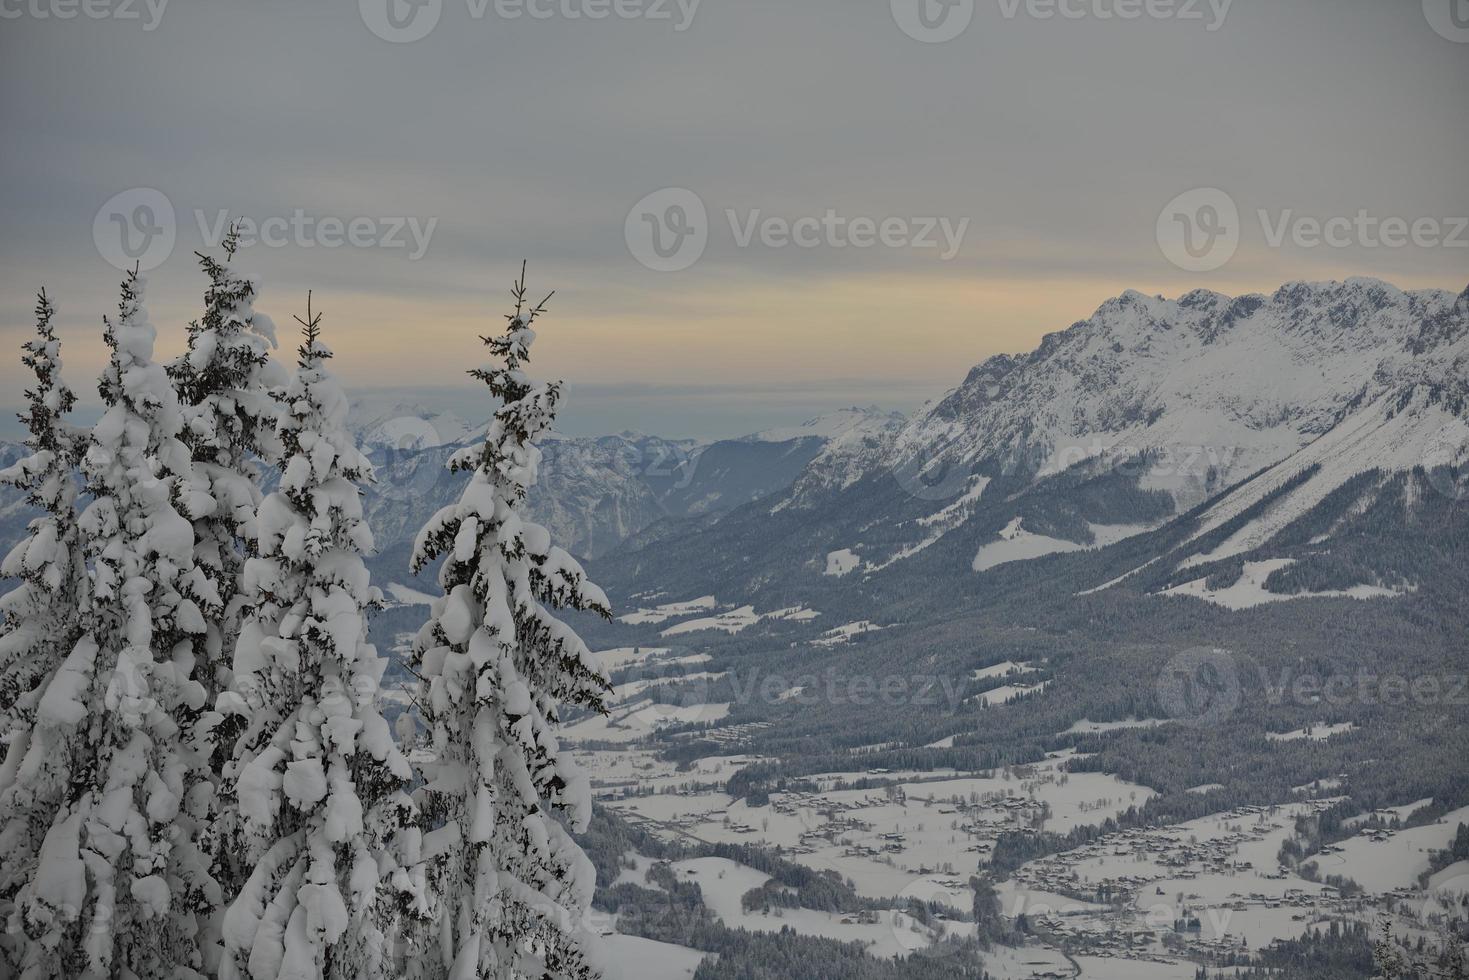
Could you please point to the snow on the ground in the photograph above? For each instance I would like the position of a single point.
(640, 720)
(635, 958)
(1018, 544)
(843, 562)
(842, 634)
(410, 596)
(1024, 963)
(730, 622)
(1250, 591)
(1112, 968)
(1009, 692)
(1451, 880)
(928, 821)
(735, 620)
(620, 657)
(1003, 669)
(723, 883)
(1085, 727)
(1320, 787)
(1316, 733)
(1204, 788)
(667, 611)
(1394, 862)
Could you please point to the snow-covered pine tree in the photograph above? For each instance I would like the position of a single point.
(507, 887)
(40, 623)
(225, 383)
(319, 780)
(120, 883)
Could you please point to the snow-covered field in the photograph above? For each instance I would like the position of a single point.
(736, 620)
(1249, 590)
(841, 562)
(663, 613)
(1085, 727)
(843, 634)
(1316, 733)
(1018, 544)
(635, 958)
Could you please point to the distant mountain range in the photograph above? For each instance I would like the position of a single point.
(1209, 432)
(1221, 428)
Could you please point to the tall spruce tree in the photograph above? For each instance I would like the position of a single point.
(318, 778)
(40, 623)
(506, 885)
(224, 383)
(120, 884)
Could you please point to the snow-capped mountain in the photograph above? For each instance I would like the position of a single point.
(1239, 383)
(1257, 410)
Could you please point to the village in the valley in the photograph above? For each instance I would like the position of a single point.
(1134, 903)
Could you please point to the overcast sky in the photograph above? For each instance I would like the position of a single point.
(937, 201)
